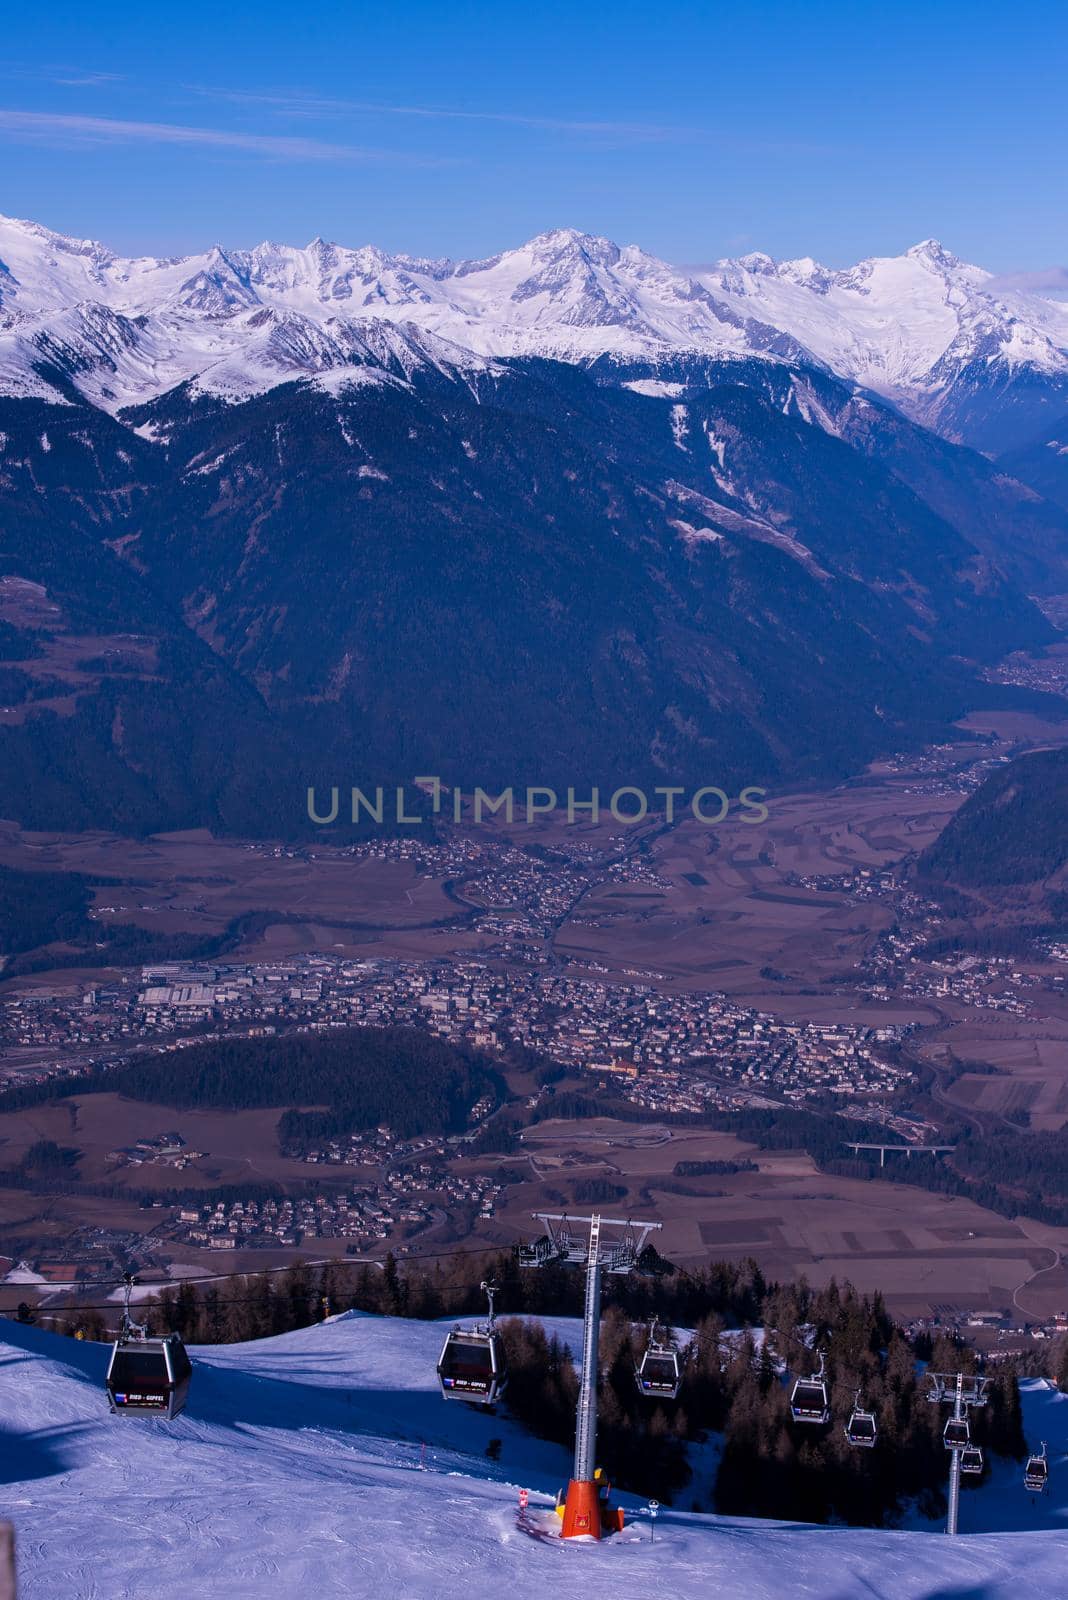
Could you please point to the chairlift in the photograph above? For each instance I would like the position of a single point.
(862, 1429)
(146, 1376)
(971, 1459)
(620, 1258)
(472, 1363)
(957, 1433)
(623, 1256)
(1036, 1472)
(538, 1253)
(658, 1371)
(561, 1243)
(808, 1399)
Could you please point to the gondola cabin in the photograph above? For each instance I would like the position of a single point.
(148, 1377)
(1036, 1474)
(971, 1459)
(861, 1430)
(658, 1372)
(808, 1401)
(472, 1366)
(956, 1434)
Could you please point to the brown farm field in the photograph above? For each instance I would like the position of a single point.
(920, 1250)
(235, 1146)
(193, 883)
(923, 1252)
(729, 911)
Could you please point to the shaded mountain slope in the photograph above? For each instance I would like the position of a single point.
(511, 573)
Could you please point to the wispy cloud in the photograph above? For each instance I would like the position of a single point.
(1052, 281)
(301, 104)
(297, 104)
(57, 126)
(90, 80)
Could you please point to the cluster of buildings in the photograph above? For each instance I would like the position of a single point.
(1048, 674)
(939, 770)
(998, 1335)
(968, 979)
(515, 895)
(582, 1022)
(361, 1217)
(400, 1199)
(651, 1043)
(521, 898)
(897, 965)
(165, 1150)
(760, 1059)
(866, 883)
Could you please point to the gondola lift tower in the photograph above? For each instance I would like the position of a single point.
(583, 1513)
(966, 1392)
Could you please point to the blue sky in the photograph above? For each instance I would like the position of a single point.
(836, 130)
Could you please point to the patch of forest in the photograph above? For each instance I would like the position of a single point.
(18, 688)
(1012, 830)
(36, 907)
(19, 644)
(712, 1169)
(355, 1078)
(42, 908)
(126, 944)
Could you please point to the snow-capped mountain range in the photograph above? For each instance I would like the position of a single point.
(932, 334)
(570, 464)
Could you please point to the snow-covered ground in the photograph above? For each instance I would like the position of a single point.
(324, 1463)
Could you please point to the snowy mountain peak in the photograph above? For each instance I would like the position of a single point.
(564, 294)
(917, 328)
(933, 253)
(90, 248)
(757, 261)
(215, 288)
(572, 243)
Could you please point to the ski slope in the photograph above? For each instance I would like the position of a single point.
(325, 1463)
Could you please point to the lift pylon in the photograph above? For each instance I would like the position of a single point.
(965, 1391)
(584, 1513)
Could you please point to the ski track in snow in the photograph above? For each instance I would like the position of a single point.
(325, 1463)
